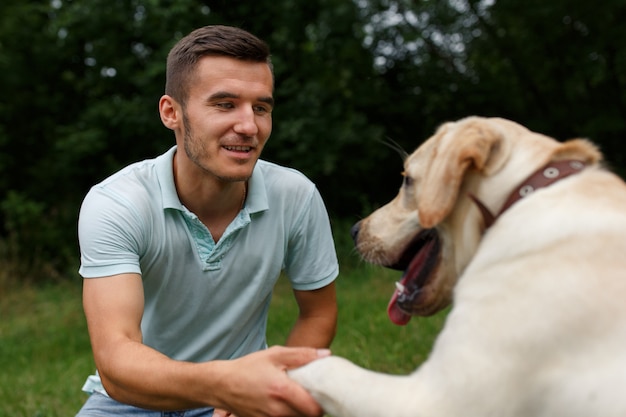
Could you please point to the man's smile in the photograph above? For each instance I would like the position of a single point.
(238, 148)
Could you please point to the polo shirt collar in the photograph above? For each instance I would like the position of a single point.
(257, 200)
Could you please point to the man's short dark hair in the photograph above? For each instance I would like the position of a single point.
(214, 40)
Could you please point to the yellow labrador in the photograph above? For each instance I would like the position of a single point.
(528, 237)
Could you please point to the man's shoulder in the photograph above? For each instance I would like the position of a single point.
(135, 185)
(137, 173)
(273, 172)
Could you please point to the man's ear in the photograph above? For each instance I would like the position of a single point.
(170, 112)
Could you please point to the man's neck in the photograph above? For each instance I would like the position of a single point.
(214, 201)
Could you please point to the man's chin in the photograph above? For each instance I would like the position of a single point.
(239, 176)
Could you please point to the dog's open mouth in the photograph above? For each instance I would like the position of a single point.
(418, 262)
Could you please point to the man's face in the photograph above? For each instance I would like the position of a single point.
(228, 117)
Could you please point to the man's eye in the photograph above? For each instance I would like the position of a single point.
(261, 109)
(225, 105)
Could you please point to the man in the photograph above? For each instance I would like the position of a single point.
(180, 253)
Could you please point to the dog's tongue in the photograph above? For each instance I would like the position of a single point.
(412, 280)
(395, 313)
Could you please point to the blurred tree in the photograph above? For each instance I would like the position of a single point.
(82, 78)
(84, 82)
(558, 67)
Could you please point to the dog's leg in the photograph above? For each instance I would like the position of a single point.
(345, 390)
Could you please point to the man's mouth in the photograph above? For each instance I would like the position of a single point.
(418, 262)
(238, 148)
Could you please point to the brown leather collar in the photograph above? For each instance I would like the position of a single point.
(543, 177)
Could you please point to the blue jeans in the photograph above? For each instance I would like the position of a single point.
(98, 405)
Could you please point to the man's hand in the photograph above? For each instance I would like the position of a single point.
(257, 384)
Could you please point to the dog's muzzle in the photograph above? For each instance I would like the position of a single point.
(418, 261)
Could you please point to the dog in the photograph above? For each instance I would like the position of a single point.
(526, 237)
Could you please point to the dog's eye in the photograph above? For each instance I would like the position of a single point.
(407, 181)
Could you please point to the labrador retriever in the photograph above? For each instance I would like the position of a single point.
(526, 237)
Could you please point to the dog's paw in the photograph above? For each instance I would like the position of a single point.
(312, 375)
(325, 380)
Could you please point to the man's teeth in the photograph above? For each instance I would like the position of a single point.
(238, 148)
(399, 287)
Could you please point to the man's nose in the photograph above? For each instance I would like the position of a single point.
(246, 122)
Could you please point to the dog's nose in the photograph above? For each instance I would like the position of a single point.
(354, 231)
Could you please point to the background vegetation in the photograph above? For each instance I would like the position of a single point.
(81, 79)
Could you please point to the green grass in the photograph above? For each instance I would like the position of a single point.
(365, 335)
(45, 353)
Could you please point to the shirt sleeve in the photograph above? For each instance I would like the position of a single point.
(311, 261)
(109, 233)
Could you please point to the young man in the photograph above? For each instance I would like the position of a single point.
(179, 254)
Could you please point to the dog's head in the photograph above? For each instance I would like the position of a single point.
(431, 229)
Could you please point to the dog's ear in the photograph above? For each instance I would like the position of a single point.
(580, 149)
(470, 144)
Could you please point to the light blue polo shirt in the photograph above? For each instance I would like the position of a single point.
(206, 300)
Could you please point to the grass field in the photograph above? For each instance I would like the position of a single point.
(45, 353)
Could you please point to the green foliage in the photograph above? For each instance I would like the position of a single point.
(19, 212)
(81, 81)
(30, 245)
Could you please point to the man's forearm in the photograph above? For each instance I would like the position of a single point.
(317, 318)
(145, 378)
(317, 332)
(232, 385)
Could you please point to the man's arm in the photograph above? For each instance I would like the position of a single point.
(254, 385)
(317, 319)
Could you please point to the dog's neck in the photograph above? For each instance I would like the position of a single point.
(543, 177)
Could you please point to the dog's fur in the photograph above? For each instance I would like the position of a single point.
(538, 323)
